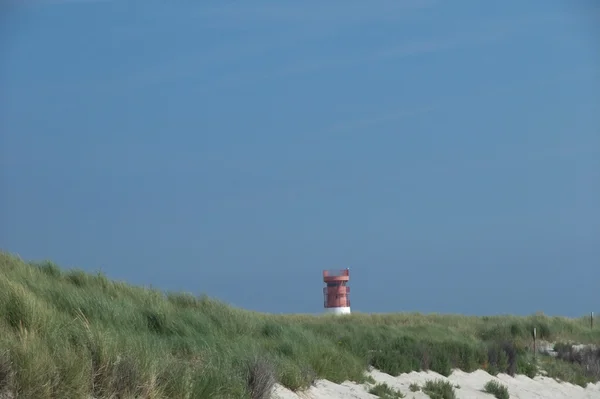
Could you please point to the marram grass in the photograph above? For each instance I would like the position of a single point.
(70, 334)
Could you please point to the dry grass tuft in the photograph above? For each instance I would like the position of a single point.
(261, 378)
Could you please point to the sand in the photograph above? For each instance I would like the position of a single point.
(470, 387)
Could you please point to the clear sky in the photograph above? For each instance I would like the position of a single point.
(447, 152)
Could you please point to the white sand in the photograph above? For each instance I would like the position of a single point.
(471, 387)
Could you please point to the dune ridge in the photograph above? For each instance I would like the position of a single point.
(466, 386)
(74, 334)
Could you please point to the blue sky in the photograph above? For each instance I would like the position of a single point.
(448, 153)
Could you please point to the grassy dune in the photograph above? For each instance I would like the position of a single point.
(68, 334)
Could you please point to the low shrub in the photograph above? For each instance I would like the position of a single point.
(439, 389)
(587, 357)
(498, 390)
(384, 391)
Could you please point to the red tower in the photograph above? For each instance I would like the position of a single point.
(336, 295)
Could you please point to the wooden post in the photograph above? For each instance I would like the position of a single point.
(592, 320)
(534, 343)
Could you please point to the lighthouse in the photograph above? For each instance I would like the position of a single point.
(336, 294)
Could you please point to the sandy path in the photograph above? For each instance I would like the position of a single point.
(470, 387)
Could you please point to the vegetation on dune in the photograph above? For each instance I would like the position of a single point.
(78, 335)
(577, 365)
(384, 391)
(497, 389)
(439, 389)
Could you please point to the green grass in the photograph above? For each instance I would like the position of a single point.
(414, 387)
(562, 370)
(439, 389)
(384, 391)
(498, 390)
(73, 334)
(578, 366)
